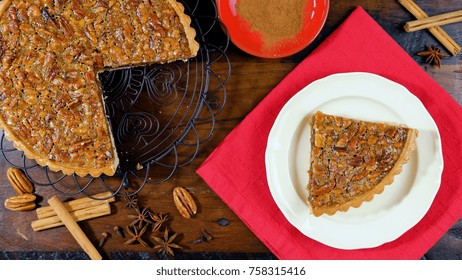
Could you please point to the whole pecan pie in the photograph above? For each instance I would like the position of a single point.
(51, 104)
(353, 160)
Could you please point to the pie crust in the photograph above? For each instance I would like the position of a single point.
(51, 52)
(353, 160)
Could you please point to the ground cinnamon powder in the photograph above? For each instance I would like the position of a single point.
(274, 19)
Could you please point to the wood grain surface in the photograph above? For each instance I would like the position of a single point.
(251, 80)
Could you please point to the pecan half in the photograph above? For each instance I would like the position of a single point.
(184, 202)
(23, 202)
(18, 180)
(74, 147)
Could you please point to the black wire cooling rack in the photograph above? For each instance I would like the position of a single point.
(155, 112)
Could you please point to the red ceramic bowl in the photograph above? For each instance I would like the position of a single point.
(250, 41)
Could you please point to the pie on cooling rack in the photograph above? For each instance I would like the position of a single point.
(51, 104)
(352, 160)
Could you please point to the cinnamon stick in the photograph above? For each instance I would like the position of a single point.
(98, 210)
(74, 228)
(76, 204)
(432, 21)
(436, 31)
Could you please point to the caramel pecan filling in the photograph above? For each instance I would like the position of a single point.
(350, 157)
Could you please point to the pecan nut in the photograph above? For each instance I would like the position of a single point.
(23, 202)
(19, 181)
(184, 202)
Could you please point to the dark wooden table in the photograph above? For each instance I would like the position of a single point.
(251, 80)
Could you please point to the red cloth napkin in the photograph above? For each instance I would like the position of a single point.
(236, 169)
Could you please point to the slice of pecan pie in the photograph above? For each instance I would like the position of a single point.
(51, 104)
(352, 160)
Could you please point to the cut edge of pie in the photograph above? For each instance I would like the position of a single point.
(109, 169)
(409, 147)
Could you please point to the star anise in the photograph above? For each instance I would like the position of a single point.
(166, 244)
(433, 55)
(136, 235)
(131, 200)
(159, 219)
(141, 217)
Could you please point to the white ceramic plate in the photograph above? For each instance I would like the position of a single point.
(362, 96)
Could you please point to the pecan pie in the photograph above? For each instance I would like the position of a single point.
(352, 160)
(51, 52)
